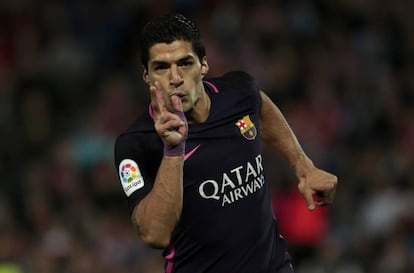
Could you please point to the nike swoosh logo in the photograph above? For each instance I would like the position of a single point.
(190, 153)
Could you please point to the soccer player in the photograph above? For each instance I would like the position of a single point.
(191, 166)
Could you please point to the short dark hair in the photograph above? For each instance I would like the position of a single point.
(167, 29)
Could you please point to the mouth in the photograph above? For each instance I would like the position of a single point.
(178, 94)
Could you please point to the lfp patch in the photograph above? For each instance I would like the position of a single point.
(247, 128)
(130, 176)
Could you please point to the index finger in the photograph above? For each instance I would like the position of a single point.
(157, 100)
(310, 202)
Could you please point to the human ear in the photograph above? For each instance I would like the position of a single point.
(145, 76)
(204, 67)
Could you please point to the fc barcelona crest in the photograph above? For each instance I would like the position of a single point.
(247, 128)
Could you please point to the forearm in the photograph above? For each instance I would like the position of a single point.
(157, 214)
(277, 133)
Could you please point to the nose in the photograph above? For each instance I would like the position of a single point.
(175, 77)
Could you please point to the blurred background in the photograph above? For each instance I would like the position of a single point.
(70, 81)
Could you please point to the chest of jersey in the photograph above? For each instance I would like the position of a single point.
(223, 161)
(223, 179)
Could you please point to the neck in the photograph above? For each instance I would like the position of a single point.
(201, 109)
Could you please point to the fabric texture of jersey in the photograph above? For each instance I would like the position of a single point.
(227, 222)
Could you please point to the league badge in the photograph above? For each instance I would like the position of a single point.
(130, 176)
(247, 128)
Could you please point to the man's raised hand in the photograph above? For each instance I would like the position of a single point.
(171, 126)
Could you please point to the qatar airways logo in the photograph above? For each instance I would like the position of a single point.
(235, 184)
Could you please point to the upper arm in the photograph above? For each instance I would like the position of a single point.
(135, 177)
(269, 117)
(276, 131)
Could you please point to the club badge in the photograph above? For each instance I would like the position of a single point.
(247, 128)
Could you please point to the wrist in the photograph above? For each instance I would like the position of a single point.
(303, 166)
(174, 150)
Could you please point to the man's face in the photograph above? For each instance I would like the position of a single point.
(178, 70)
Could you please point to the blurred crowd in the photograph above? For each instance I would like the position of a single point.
(341, 71)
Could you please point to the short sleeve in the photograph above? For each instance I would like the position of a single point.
(135, 165)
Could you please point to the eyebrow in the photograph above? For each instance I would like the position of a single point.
(183, 59)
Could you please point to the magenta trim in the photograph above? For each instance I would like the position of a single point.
(215, 89)
(170, 263)
(190, 153)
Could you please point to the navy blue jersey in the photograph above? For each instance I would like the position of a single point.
(227, 222)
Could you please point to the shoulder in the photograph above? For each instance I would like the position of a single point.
(138, 128)
(136, 138)
(236, 90)
(237, 79)
(234, 83)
